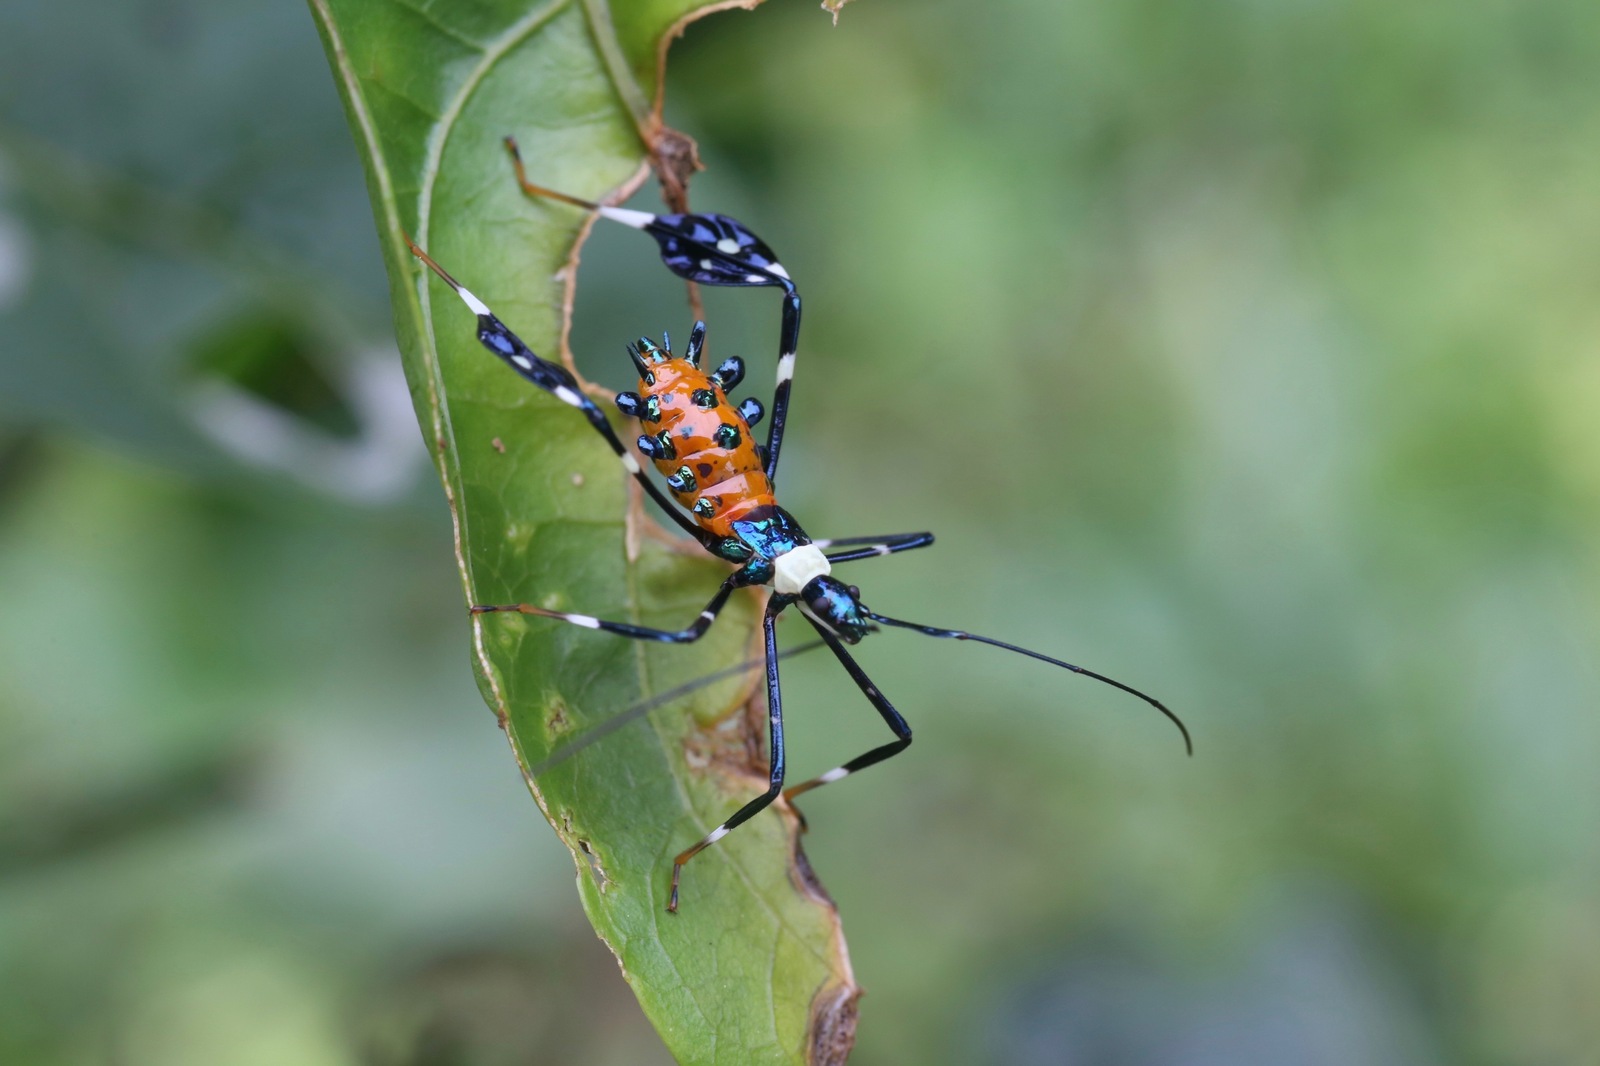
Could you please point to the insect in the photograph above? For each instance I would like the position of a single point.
(722, 484)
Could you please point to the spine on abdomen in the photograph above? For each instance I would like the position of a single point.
(710, 459)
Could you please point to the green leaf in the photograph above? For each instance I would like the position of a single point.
(753, 968)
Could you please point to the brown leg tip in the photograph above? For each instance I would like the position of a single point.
(672, 900)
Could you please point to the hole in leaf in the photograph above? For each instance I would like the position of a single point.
(595, 869)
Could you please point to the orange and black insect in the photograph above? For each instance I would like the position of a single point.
(722, 484)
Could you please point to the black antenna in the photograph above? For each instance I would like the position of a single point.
(957, 634)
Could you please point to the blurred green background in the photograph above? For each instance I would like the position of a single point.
(1247, 352)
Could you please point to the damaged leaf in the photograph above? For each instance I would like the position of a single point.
(753, 969)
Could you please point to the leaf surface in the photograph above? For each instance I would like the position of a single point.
(753, 969)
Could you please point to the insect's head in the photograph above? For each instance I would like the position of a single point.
(837, 607)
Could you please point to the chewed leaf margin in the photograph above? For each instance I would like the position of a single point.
(756, 969)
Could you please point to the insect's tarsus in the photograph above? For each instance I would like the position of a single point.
(539, 190)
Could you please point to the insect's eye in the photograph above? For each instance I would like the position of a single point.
(855, 593)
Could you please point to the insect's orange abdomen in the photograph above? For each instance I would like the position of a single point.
(710, 440)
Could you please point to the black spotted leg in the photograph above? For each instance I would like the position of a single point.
(555, 379)
(874, 546)
(687, 635)
(774, 748)
(712, 250)
(897, 724)
(788, 344)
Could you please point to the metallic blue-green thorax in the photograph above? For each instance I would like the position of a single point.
(758, 540)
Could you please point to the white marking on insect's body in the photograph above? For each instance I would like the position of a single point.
(786, 367)
(797, 567)
(754, 279)
(777, 268)
(728, 246)
(636, 219)
(629, 463)
(567, 396)
(582, 620)
(706, 264)
(880, 549)
(833, 775)
(478, 306)
(523, 361)
(716, 834)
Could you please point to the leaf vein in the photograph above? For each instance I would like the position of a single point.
(377, 81)
(492, 54)
(425, 13)
(597, 13)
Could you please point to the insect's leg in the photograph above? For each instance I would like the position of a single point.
(636, 219)
(554, 379)
(687, 635)
(788, 344)
(866, 538)
(891, 717)
(875, 546)
(711, 250)
(531, 190)
(775, 750)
